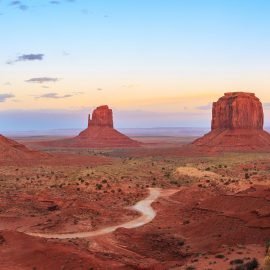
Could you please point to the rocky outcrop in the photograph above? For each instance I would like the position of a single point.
(100, 133)
(237, 124)
(12, 151)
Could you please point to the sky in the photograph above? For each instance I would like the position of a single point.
(157, 63)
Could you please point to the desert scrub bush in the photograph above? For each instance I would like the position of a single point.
(237, 261)
(267, 245)
(190, 267)
(173, 182)
(98, 186)
(220, 256)
(181, 242)
(253, 264)
(250, 265)
(167, 174)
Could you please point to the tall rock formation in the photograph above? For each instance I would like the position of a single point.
(102, 117)
(237, 110)
(100, 133)
(237, 124)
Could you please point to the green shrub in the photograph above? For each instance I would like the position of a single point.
(220, 256)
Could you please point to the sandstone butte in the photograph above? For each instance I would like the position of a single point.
(237, 124)
(100, 133)
(11, 151)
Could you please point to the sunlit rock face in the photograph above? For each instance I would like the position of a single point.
(237, 110)
(237, 124)
(102, 117)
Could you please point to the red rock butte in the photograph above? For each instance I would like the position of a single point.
(100, 133)
(237, 124)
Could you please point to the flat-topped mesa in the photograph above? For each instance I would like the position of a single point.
(102, 117)
(237, 110)
(237, 124)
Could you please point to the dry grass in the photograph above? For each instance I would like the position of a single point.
(194, 172)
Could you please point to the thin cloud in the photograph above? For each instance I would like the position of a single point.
(30, 57)
(23, 7)
(205, 107)
(19, 4)
(5, 97)
(130, 85)
(15, 3)
(42, 80)
(7, 84)
(78, 93)
(266, 105)
(54, 96)
(65, 53)
(57, 2)
(27, 57)
(84, 11)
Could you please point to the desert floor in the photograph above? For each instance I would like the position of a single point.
(212, 210)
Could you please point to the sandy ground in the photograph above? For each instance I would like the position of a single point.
(213, 209)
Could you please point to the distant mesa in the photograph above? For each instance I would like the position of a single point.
(100, 133)
(237, 124)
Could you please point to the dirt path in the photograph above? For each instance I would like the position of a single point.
(144, 207)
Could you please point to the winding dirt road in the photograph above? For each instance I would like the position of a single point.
(144, 207)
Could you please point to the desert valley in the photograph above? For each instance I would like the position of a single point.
(134, 135)
(102, 200)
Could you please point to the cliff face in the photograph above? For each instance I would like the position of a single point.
(102, 117)
(237, 124)
(237, 110)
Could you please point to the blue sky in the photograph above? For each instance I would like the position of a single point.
(159, 62)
